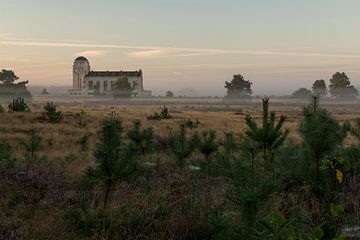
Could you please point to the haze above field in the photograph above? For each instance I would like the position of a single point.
(196, 45)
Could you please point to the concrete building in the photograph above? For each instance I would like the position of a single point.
(87, 82)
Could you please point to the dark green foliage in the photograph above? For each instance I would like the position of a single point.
(169, 93)
(340, 87)
(321, 134)
(319, 88)
(84, 142)
(9, 87)
(181, 145)
(5, 154)
(115, 161)
(164, 114)
(32, 146)
(355, 130)
(238, 87)
(18, 105)
(301, 93)
(51, 114)
(268, 137)
(207, 145)
(1, 109)
(122, 88)
(143, 139)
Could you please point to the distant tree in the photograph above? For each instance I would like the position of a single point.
(44, 91)
(319, 88)
(340, 87)
(301, 93)
(169, 93)
(122, 88)
(238, 87)
(9, 87)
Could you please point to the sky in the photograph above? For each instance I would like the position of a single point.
(197, 45)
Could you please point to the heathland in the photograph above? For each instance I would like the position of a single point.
(206, 169)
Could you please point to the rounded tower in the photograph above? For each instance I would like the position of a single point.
(81, 68)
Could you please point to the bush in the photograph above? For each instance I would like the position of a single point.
(18, 105)
(164, 114)
(5, 154)
(51, 114)
(143, 139)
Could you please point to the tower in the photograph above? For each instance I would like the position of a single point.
(81, 68)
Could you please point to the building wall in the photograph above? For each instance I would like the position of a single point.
(80, 69)
(107, 82)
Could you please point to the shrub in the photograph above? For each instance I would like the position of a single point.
(84, 141)
(181, 145)
(115, 161)
(18, 105)
(51, 114)
(2, 109)
(5, 154)
(81, 119)
(31, 147)
(164, 114)
(207, 145)
(321, 134)
(143, 139)
(268, 137)
(191, 123)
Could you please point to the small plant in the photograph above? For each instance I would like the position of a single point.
(115, 162)
(191, 124)
(268, 137)
(2, 109)
(51, 114)
(84, 141)
(321, 134)
(5, 154)
(81, 119)
(164, 114)
(207, 145)
(143, 139)
(181, 145)
(18, 105)
(31, 147)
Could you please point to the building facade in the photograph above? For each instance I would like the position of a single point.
(87, 82)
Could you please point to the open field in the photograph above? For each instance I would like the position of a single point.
(51, 191)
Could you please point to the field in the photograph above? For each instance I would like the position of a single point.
(159, 203)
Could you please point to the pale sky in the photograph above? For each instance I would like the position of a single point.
(279, 45)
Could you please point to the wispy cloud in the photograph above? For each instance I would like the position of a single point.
(168, 52)
(91, 53)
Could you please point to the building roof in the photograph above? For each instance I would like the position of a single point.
(114, 73)
(81, 58)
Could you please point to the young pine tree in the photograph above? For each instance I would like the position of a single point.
(181, 145)
(115, 161)
(269, 136)
(51, 113)
(207, 145)
(321, 134)
(18, 105)
(31, 146)
(143, 139)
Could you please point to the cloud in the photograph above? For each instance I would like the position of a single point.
(91, 53)
(167, 52)
(147, 53)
